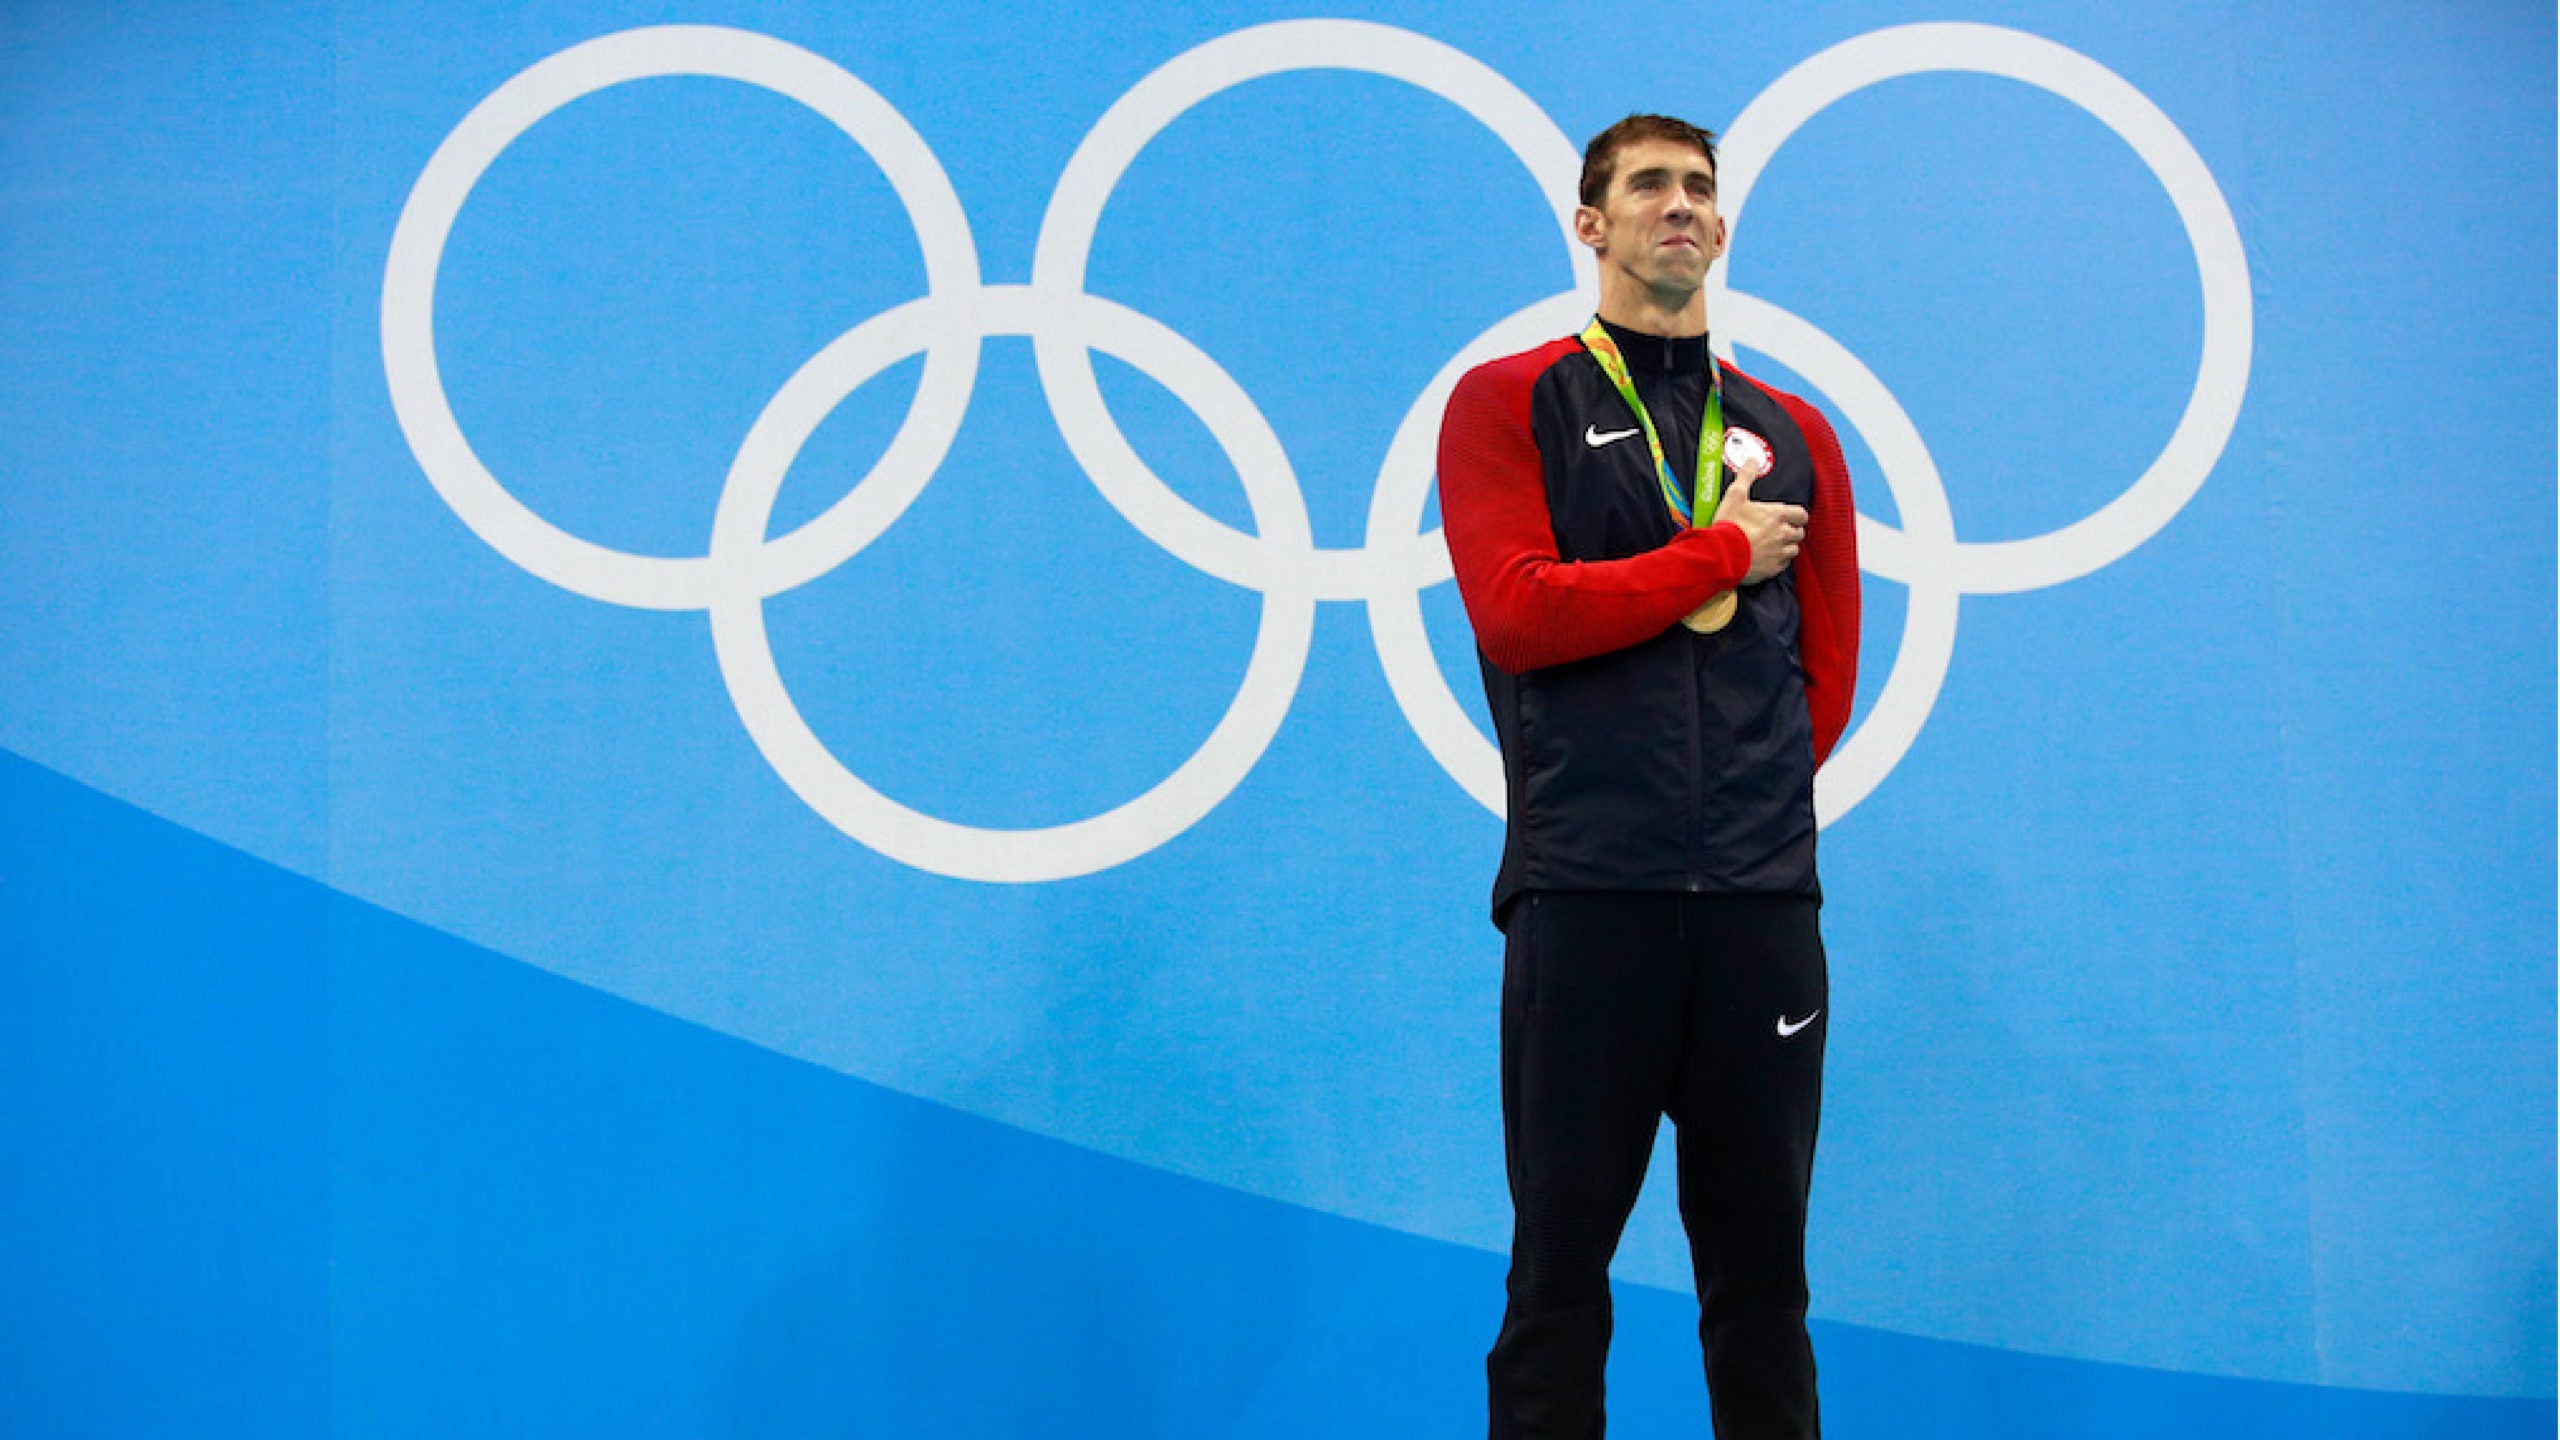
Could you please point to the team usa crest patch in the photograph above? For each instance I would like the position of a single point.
(1749, 456)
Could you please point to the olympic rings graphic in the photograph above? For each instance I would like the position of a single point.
(744, 565)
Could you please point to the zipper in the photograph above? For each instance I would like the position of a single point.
(1696, 646)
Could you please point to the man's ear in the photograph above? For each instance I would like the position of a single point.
(1586, 226)
(1715, 248)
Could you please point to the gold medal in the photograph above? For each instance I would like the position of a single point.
(1749, 456)
(1713, 616)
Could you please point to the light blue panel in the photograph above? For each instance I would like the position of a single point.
(2193, 965)
(165, 221)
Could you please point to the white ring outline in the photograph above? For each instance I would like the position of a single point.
(425, 412)
(2204, 428)
(1862, 760)
(967, 852)
(1075, 213)
(1925, 554)
(1390, 569)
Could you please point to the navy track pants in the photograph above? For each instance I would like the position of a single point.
(1618, 1009)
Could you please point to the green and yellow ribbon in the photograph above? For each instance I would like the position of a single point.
(1698, 505)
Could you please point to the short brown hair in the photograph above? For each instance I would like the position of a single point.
(1600, 157)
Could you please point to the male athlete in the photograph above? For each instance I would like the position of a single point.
(1659, 557)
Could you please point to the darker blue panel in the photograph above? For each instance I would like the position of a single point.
(275, 1163)
(162, 1211)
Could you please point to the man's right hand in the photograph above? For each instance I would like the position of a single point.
(1774, 528)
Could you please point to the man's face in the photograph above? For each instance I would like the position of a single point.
(1657, 223)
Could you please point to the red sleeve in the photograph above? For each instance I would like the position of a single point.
(1826, 571)
(1529, 608)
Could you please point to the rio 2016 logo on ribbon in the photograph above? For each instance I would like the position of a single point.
(744, 565)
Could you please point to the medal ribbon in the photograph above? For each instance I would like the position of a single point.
(1710, 484)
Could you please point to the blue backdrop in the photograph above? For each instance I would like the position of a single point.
(746, 719)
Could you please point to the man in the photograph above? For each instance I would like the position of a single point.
(1659, 558)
